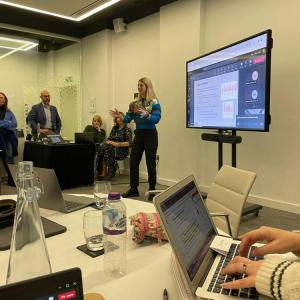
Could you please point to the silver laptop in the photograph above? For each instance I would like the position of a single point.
(191, 233)
(53, 198)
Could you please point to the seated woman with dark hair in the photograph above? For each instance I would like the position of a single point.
(8, 126)
(115, 148)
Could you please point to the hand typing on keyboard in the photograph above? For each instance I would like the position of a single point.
(278, 241)
(241, 265)
(273, 276)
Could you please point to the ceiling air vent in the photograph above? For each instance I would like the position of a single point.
(89, 7)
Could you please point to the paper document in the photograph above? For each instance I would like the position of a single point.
(221, 244)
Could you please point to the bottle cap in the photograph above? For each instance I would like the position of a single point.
(114, 196)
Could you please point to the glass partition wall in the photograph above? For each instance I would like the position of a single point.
(30, 65)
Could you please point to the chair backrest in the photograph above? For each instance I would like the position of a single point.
(228, 193)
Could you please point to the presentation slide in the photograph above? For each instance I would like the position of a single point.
(216, 98)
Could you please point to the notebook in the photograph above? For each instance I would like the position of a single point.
(192, 235)
(84, 138)
(53, 198)
(65, 284)
(50, 229)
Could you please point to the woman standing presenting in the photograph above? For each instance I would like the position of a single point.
(145, 111)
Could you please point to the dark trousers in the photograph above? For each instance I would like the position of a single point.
(144, 140)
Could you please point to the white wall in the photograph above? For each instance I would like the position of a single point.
(158, 47)
(274, 155)
(19, 77)
(62, 78)
(96, 76)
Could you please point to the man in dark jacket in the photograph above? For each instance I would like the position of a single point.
(44, 118)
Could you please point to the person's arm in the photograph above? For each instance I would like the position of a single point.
(101, 135)
(128, 117)
(278, 241)
(279, 279)
(9, 122)
(58, 122)
(31, 119)
(154, 115)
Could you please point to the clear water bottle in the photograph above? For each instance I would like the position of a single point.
(114, 236)
(28, 252)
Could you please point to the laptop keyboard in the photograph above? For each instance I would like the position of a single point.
(70, 205)
(218, 279)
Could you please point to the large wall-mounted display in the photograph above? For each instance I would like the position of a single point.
(229, 88)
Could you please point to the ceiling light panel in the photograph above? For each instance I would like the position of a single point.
(75, 10)
(12, 44)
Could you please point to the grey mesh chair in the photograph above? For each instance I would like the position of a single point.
(227, 196)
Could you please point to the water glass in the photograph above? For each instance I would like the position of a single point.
(101, 190)
(92, 228)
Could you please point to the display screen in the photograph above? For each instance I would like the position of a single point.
(190, 226)
(230, 87)
(54, 139)
(66, 284)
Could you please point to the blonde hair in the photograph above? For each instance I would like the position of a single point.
(97, 118)
(150, 94)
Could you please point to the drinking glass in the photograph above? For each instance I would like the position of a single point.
(92, 228)
(101, 190)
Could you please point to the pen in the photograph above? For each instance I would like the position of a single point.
(165, 295)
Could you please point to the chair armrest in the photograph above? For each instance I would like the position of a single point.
(219, 214)
(226, 216)
(153, 192)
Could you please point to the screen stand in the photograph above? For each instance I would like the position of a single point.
(227, 137)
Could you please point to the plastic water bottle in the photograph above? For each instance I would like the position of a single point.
(28, 252)
(114, 236)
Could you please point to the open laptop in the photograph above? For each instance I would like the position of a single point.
(53, 198)
(61, 285)
(55, 139)
(84, 138)
(192, 234)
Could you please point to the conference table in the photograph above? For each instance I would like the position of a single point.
(72, 163)
(148, 264)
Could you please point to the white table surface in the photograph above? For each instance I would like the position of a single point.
(148, 264)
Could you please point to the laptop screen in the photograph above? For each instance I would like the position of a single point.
(189, 225)
(54, 138)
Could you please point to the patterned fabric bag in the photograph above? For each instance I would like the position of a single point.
(146, 226)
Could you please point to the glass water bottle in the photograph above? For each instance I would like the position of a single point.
(28, 252)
